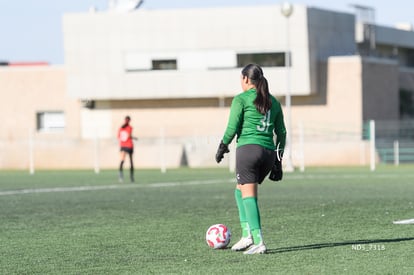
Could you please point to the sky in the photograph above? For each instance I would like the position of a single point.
(31, 30)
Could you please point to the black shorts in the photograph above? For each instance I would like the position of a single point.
(128, 150)
(253, 163)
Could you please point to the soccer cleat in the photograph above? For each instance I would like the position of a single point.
(256, 249)
(242, 244)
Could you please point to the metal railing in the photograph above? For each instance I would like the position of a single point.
(395, 140)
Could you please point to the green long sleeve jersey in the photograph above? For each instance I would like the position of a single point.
(252, 127)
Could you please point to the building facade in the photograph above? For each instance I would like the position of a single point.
(175, 73)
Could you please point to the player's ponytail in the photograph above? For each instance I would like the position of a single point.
(263, 101)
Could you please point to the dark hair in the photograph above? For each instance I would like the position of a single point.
(127, 119)
(263, 101)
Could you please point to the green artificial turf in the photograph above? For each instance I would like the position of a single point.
(321, 221)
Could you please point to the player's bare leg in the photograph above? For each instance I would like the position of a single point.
(248, 190)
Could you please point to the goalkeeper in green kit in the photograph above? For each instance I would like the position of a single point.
(255, 117)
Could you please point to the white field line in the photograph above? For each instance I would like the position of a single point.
(171, 184)
(348, 176)
(107, 187)
(409, 221)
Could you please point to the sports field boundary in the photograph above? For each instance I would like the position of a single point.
(304, 176)
(109, 187)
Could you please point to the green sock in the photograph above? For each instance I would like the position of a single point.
(257, 236)
(242, 213)
(245, 229)
(253, 218)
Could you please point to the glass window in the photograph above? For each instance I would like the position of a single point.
(50, 121)
(275, 59)
(167, 64)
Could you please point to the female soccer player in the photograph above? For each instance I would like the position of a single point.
(255, 116)
(127, 147)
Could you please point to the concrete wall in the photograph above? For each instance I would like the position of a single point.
(330, 34)
(108, 55)
(25, 91)
(176, 132)
(28, 90)
(333, 126)
(180, 115)
(406, 79)
(381, 97)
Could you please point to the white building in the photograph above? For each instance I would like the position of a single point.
(176, 71)
(193, 53)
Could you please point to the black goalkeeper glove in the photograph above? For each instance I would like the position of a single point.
(222, 149)
(276, 174)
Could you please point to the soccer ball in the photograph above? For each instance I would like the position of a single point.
(218, 236)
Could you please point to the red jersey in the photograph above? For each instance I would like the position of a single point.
(125, 137)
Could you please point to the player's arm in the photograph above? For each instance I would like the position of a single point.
(233, 126)
(276, 174)
(280, 131)
(235, 120)
(132, 136)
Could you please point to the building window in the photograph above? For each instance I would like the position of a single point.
(262, 59)
(166, 64)
(50, 121)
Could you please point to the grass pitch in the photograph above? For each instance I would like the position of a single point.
(322, 221)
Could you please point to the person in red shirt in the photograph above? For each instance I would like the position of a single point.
(127, 147)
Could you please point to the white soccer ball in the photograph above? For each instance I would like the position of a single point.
(218, 236)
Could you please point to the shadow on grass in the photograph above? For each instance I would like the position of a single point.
(326, 245)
